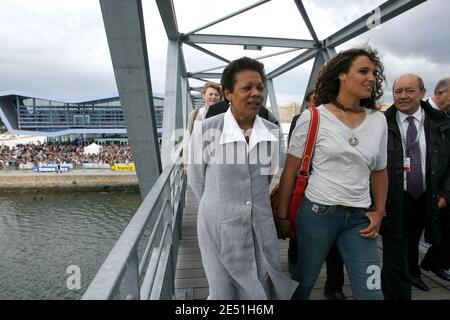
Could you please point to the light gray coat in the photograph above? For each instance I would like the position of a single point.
(235, 226)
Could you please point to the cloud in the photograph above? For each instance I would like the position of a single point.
(60, 47)
(414, 42)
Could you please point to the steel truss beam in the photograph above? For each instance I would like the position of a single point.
(257, 58)
(298, 60)
(172, 102)
(124, 25)
(167, 13)
(305, 17)
(385, 12)
(207, 75)
(245, 40)
(212, 54)
(256, 4)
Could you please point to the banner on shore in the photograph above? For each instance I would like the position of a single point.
(26, 166)
(123, 167)
(96, 166)
(53, 168)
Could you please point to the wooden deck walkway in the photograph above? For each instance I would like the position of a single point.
(191, 283)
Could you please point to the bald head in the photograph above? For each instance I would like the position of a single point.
(411, 76)
(408, 90)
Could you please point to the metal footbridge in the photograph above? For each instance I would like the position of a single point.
(157, 255)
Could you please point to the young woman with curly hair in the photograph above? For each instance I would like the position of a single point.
(350, 152)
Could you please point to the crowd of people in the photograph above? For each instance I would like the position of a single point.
(372, 175)
(42, 154)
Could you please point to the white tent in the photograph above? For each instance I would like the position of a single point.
(93, 148)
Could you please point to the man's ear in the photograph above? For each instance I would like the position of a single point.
(422, 93)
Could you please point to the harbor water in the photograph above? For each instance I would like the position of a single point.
(45, 238)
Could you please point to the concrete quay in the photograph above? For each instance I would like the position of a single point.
(88, 179)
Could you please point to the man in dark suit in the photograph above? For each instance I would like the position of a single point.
(419, 185)
(222, 107)
(441, 98)
(437, 258)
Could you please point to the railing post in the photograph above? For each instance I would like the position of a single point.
(130, 284)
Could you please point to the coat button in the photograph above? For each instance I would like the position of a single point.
(248, 203)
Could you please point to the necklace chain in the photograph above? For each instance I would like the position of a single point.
(353, 141)
(342, 107)
(348, 123)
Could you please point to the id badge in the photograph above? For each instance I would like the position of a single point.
(407, 165)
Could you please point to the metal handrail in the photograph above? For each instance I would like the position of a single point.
(122, 275)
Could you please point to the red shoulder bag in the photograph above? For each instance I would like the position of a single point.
(302, 173)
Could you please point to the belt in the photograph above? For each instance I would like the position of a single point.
(349, 209)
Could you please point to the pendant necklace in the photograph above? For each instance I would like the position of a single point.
(353, 141)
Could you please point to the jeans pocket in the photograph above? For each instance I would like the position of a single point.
(318, 209)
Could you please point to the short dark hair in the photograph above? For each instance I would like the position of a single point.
(328, 84)
(228, 79)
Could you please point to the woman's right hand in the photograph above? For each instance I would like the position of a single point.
(283, 227)
(287, 182)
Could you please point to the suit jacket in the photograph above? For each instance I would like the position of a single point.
(437, 177)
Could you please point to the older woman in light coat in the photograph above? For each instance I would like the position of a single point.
(231, 157)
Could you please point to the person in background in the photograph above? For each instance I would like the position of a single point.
(310, 103)
(334, 263)
(437, 258)
(419, 186)
(441, 98)
(350, 152)
(231, 157)
(212, 93)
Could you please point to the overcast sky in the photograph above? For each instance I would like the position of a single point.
(59, 48)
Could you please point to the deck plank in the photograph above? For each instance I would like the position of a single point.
(191, 283)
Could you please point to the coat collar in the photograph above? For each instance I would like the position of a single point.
(232, 132)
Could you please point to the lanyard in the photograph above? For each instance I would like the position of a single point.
(403, 135)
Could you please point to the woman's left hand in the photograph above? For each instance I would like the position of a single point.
(442, 203)
(371, 232)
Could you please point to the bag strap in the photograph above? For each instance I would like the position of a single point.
(310, 142)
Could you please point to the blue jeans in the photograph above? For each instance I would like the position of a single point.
(318, 227)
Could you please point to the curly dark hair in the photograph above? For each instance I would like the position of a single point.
(309, 93)
(328, 84)
(228, 79)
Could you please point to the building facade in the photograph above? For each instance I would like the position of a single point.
(97, 120)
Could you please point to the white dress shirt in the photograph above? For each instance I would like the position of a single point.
(419, 120)
(434, 105)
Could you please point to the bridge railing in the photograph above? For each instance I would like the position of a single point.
(142, 264)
